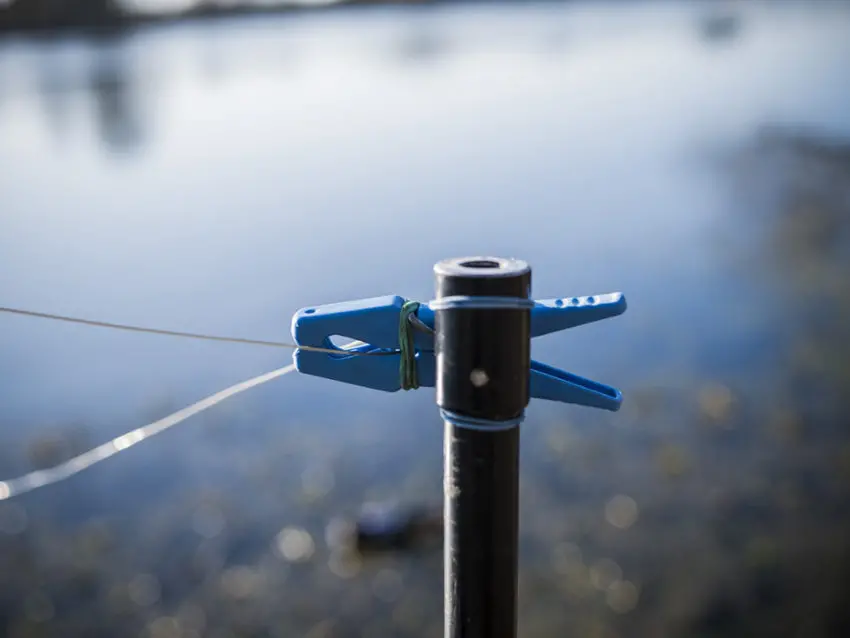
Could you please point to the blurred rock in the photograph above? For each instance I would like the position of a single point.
(621, 511)
(715, 402)
(604, 573)
(622, 597)
(144, 590)
(672, 460)
(386, 526)
(295, 545)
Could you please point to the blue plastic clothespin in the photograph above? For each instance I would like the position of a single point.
(375, 323)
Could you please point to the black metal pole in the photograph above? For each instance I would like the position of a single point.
(483, 358)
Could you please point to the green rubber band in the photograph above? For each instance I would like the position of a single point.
(408, 379)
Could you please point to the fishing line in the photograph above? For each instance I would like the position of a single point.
(192, 335)
(49, 476)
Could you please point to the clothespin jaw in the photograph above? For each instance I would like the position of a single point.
(374, 361)
(371, 322)
(554, 315)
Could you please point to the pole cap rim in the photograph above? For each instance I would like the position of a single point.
(481, 267)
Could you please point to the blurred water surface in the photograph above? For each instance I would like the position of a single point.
(217, 176)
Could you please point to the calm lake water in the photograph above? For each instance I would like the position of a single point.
(218, 176)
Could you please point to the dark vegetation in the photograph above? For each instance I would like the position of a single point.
(44, 16)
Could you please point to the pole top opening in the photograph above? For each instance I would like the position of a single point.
(481, 267)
